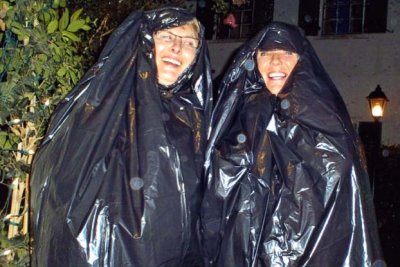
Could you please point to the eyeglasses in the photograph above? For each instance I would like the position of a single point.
(167, 37)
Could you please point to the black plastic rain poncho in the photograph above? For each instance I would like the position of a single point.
(116, 179)
(286, 179)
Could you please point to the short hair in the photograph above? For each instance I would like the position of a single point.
(195, 23)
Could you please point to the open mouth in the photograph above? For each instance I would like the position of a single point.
(172, 61)
(277, 75)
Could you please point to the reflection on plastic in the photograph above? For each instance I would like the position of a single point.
(286, 179)
(116, 181)
(136, 183)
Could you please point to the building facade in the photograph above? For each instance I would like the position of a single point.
(358, 53)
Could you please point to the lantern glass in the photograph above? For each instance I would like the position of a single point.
(377, 100)
(377, 107)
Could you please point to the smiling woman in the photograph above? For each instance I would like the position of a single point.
(275, 67)
(129, 138)
(286, 181)
(175, 50)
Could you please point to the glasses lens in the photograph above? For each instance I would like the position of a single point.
(169, 38)
(165, 36)
(190, 42)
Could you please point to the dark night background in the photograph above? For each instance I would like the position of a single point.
(383, 162)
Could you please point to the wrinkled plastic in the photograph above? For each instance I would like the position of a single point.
(286, 177)
(116, 181)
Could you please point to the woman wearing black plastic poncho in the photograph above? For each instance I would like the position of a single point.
(116, 180)
(286, 180)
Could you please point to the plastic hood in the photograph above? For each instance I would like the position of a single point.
(286, 177)
(116, 181)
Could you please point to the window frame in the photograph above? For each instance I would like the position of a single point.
(260, 14)
(343, 23)
(340, 17)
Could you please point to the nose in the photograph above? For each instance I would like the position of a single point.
(177, 45)
(275, 59)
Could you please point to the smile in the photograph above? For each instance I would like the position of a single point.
(276, 75)
(172, 61)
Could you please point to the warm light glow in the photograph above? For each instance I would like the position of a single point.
(377, 111)
(15, 121)
(377, 100)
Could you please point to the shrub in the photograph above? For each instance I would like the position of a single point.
(40, 61)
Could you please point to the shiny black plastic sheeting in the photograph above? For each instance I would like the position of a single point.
(286, 177)
(116, 181)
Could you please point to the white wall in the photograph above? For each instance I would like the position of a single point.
(357, 66)
(356, 63)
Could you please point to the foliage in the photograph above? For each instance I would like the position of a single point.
(109, 14)
(40, 61)
(220, 6)
(223, 6)
(45, 47)
(14, 250)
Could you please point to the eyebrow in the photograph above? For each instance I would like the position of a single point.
(181, 36)
(276, 50)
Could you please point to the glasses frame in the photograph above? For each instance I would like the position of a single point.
(171, 41)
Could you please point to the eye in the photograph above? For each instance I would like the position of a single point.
(190, 42)
(168, 37)
(165, 36)
(262, 53)
(289, 54)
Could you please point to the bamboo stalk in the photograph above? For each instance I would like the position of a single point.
(31, 146)
(15, 206)
(20, 188)
(25, 224)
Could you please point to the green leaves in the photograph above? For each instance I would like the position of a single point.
(220, 6)
(8, 141)
(70, 36)
(52, 27)
(59, 3)
(76, 25)
(40, 62)
(64, 20)
(76, 14)
(68, 26)
(19, 30)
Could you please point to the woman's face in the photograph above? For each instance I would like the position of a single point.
(175, 50)
(275, 67)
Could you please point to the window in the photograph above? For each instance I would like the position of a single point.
(249, 17)
(244, 21)
(335, 17)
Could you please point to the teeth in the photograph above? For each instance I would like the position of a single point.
(172, 61)
(276, 75)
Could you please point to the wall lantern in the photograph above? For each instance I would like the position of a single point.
(377, 100)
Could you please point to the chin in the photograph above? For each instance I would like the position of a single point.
(165, 83)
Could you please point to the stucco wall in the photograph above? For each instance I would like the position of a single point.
(356, 64)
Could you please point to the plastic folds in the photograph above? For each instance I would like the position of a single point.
(117, 179)
(286, 177)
